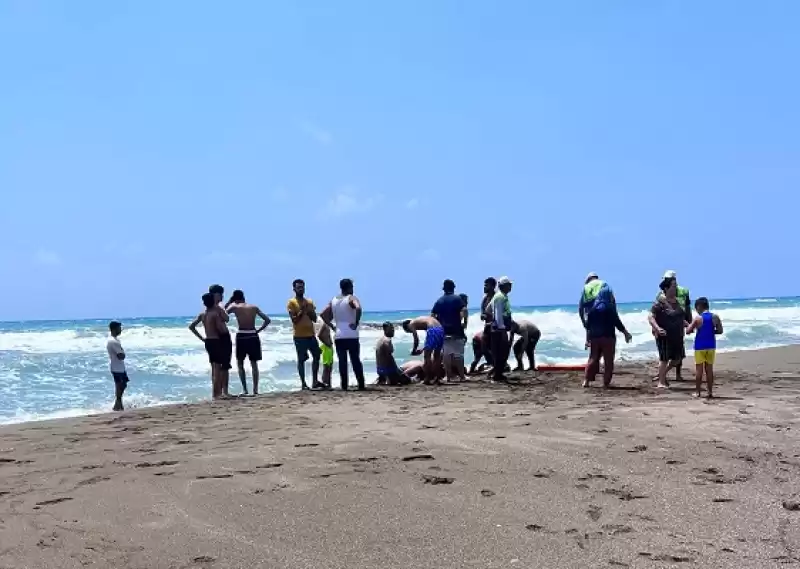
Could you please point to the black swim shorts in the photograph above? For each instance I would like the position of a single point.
(220, 350)
(248, 345)
(120, 378)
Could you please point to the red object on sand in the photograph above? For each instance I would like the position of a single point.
(564, 367)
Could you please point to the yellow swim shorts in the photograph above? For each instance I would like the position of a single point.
(327, 355)
(704, 357)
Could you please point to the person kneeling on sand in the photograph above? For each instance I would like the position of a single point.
(388, 371)
(434, 342)
(708, 326)
(116, 363)
(529, 336)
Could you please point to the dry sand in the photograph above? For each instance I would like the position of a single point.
(538, 475)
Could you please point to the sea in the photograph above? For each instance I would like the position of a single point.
(56, 369)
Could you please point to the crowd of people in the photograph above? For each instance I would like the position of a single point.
(335, 330)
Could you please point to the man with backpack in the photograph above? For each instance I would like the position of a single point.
(598, 312)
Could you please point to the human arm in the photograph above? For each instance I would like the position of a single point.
(621, 327)
(355, 304)
(687, 309)
(464, 318)
(327, 316)
(311, 310)
(651, 318)
(193, 327)
(265, 318)
(415, 351)
(695, 324)
(717, 324)
(581, 312)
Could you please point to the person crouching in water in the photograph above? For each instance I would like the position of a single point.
(529, 336)
(598, 310)
(708, 326)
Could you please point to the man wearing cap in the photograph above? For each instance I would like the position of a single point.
(598, 312)
(686, 303)
(501, 326)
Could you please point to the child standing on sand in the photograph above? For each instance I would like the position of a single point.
(326, 348)
(707, 325)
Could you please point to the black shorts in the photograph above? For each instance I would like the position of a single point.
(248, 345)
(120, 378)
(304, 346)
(670, 347)
(220, 350)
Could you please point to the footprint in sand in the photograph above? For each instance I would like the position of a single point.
(156, 464)
(271, 465)
(594, 512)
(305, 445)
(436, 480)
(212, 476)
(487, 493)
(53, 501)
(415, 457)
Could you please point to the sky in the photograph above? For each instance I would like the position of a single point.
(149, 149)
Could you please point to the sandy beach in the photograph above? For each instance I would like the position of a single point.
(537, 474)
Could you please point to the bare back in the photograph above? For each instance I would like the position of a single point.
(384, 351)
(424, 323)
(245, 315)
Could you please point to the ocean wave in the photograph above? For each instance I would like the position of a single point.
(766, 300)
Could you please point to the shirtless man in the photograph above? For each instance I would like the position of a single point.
(434, 342)
(248, 343)
(478, 353)
(388, 370)
(415, 370)
(219, 352)
(529, 336)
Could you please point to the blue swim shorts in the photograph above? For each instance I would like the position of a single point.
(434, 338)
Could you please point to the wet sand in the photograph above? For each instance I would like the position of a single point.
(539, 474)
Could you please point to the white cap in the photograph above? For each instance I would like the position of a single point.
(591, 276)
(503, 281)
(670, 275)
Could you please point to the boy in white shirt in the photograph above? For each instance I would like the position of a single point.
(116, 358)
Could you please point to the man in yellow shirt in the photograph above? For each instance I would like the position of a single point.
(303, 314)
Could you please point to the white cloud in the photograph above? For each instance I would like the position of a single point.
(47, 258)
(413, 203)
(430, 255)
(347, 201)
(317, 133)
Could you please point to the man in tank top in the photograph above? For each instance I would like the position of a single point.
(343, 315)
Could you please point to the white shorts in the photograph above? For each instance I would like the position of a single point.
(454, 346)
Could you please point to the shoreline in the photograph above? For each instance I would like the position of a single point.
(538, 474)
(621, 364)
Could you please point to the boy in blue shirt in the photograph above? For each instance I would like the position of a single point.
(707, 325)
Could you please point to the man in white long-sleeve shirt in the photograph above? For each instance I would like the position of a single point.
(501, 326)
(116, 363)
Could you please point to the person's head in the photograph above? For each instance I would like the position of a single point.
(449, 287)
(464, 298)
(346, 286)
(702, 304)
(504, 284)
(299, 287)
(217, 291)
(670, 287)
(115, 328)
(591, 277)
(407, 325)
(388, 329)
(671, 275)
(209, 300)
(237, 296)
(489, 285)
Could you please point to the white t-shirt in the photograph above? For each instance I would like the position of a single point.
(114, 348)
(344, 315)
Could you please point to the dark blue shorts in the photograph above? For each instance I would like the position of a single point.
(120, 379)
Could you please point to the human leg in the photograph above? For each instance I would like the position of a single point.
(354, 351)
(301, 347)
(242, 375)
(593, 365)
(609, 349)
(499, 354)
(341, 353)
(316, 354)
(519, 351)
(709, 371)
(530, 349)
(487, 344)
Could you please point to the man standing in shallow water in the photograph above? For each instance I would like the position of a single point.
(217, 345)
(248, 342)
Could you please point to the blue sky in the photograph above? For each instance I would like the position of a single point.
(148, 149)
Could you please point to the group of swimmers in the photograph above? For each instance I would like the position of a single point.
(336, 329)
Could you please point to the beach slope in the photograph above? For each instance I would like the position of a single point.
(539, 474)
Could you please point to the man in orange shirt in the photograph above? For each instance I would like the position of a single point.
(303, 314)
